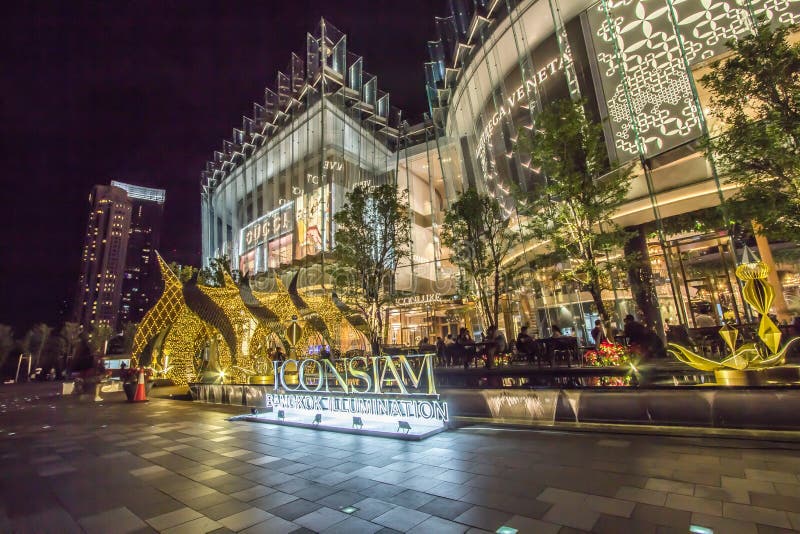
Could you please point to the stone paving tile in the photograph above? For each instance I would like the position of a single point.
(400, 518)
(771, 476)
(370, 508)
(321, 519)
(445, 508)
(273, 525)
(646, 496)
(724, 525)
(171, 519)
(119, 520)
(694, 504)
(778, 502)
(756, 514)
(200, 525)
(410, 498)
(670, 486)
(294, 509)
(245, 518)
(662, 516)
(354, 525)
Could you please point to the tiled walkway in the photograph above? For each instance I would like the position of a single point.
(174, 466)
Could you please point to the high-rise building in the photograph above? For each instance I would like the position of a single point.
(140, 280)
(103, 260)
(122, 233)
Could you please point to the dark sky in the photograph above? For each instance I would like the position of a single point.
(143, 92)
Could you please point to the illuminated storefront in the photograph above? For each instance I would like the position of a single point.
(636, 65)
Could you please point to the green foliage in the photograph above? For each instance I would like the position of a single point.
(183, 272)
(35, 340)
(373, 238)
(571, 208)
(71, 333)
(755, 94)
(98, 337)
(479, 236)
(214, 274)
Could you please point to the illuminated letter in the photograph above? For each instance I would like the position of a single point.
(283, 371)
(427, 367)
(301, 375)
(359, 374)
(275, 365)
(339, 378)
(389, 364)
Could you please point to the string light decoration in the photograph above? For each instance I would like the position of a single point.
(183, 348)
(163, 313)
(224, 334)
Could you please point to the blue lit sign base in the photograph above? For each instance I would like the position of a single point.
(411, 429)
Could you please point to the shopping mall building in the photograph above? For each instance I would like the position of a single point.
(327, 126)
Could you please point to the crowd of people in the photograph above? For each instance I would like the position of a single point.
(463, 350)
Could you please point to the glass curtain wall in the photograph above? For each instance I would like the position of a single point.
(636, 66)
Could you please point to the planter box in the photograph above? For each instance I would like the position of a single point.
(130, 389)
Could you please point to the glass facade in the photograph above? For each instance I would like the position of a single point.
(326, 126)
(495, 64)
(270, 194)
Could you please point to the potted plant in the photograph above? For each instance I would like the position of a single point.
(130, 381)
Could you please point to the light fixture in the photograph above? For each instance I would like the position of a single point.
(697, 529)
(317, 419)
(506, 530)
(254, 411)
(358, 422)
(281, 415)
(403, 425)
(349, 509)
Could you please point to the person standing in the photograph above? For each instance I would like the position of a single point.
(599, 333)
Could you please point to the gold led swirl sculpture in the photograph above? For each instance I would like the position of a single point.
(749, 356)
(200, 333)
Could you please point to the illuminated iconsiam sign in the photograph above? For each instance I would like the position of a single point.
(379, 392)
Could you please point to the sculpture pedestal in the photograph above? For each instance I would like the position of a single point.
(773, 376)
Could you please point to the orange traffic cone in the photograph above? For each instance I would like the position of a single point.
(141, 394)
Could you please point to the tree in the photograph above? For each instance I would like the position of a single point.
(478, 233)
(7, 343)
(214, 274)
(372, 238)
(98, 337)
(35, 341)
(755, 94)
(572, 206)
(183, 272)
(128, 333)
(71, 333)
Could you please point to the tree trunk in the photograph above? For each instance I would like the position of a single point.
(597, 297)
(496, 299)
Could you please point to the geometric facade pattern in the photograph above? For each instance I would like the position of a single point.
(643, 48)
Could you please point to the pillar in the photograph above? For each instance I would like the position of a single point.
(640, 278)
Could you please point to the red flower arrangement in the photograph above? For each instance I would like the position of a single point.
(607, 355)
(131, 374)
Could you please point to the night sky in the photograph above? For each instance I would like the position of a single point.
(143, 92)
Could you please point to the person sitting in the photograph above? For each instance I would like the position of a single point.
(425, 346)
(525, 343)
(599, 333)
(643, 340)
(466, 346)
(496, 345)
(703, 319)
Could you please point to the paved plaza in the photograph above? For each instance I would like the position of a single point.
(69, 465)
